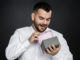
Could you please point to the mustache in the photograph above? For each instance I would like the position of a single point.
(43, 25)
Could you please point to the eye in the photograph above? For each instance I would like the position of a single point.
(48, 19)
(41, 18)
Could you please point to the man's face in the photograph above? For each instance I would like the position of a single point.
(41, 19)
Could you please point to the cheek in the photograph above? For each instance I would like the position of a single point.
(48, 22)
(38, 21)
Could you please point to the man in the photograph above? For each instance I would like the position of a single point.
(22, 43)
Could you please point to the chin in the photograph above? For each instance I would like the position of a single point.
(42, 30)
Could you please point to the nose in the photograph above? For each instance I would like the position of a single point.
(45, 22)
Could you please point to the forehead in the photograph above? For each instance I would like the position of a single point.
(43, 13)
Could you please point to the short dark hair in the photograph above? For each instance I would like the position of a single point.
(43, 5)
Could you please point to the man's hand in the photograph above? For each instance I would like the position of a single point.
(52, 50)
(34, 37)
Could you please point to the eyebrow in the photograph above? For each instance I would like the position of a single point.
(44, 18)
(41, 17)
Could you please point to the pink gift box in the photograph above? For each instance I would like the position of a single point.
(45, 35)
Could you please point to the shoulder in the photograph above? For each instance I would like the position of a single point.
(23, 29)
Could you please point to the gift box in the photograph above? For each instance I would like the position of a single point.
(48, 42)
(47, 39)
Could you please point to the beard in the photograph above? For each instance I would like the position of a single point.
(41, 25)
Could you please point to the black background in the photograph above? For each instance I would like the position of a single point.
(15, 14)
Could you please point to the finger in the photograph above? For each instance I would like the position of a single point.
(48, 51)
(53, 46)
(50, 48)
(35, 38)
(59, 47)
(36, 33)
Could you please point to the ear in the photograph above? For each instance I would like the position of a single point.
(32, 16)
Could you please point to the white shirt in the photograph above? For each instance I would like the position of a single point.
(19, 47)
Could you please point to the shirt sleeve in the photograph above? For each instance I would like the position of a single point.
(64, 53)
(15, 48)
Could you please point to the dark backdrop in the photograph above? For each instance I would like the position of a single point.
(15, 14)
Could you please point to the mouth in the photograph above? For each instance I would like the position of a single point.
(43, 27)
